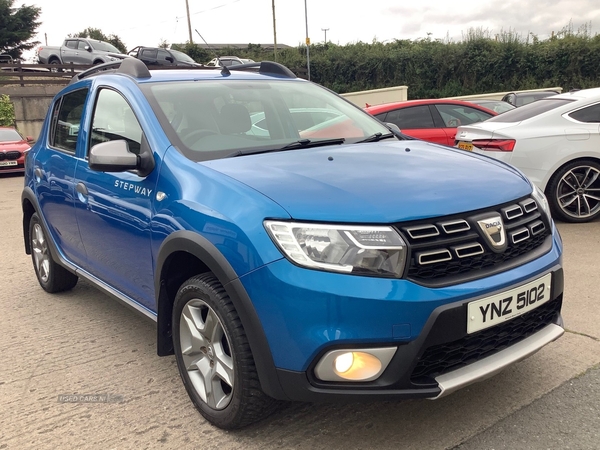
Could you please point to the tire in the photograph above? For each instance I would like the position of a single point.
(214, 357)
(55, 62)
(574, 191)
(51, 276)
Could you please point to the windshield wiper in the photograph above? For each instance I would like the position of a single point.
(376, 137)
(306, 143)
(302, 143)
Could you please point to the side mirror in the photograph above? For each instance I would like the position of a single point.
(112, 156)
(170, 59)
(88, 48)
(393, 127)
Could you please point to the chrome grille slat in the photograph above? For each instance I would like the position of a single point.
(433, 257)
(519, 235)
(455, 226)
(464, 251)
(512, 212)
(421, 232)
(537, 227)
(529, 205)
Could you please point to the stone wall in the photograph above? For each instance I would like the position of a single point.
(31, 105)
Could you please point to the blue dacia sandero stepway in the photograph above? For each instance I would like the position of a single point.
(288, 245)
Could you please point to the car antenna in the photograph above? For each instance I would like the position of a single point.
(224, 70)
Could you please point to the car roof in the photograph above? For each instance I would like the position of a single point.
(376, 109)
(587, 94)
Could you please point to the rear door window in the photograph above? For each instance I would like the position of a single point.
(413, 117)
(66, 120)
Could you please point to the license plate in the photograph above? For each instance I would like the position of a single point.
(8, 163)
(465, 146)
(499, 308)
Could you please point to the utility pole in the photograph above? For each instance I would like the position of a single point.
(187, 9)
(307, 41)
(274, 34)
(325, 30)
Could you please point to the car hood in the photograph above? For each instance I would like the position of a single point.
(14, 145)
(376, 182)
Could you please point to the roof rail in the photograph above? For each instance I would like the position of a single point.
(127, 66)
(266, 68)
(137, 69)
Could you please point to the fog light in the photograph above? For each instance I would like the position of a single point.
(357, 366)
(354, 364)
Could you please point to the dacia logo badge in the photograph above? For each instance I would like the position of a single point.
(493, 230)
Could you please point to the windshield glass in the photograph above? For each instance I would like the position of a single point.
(212, 119)
(182, 56)
(530, 110)
(9, 135)
(105, 47)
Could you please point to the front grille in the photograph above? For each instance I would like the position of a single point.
(443, 358)
(450, 248)
(10, 156)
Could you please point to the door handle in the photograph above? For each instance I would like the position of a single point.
(80, 187)
(38, 173)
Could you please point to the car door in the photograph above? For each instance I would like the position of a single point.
(148, 56)
(164, 58)
(68, 52)
(54, 171)
(114, 208)
(418, 122)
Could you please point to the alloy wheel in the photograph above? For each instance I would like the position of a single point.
(41, 255)
(578, 192)
(207, 355)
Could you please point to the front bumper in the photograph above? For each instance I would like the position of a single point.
(444, 358)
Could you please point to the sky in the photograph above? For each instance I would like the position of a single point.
(151, 22)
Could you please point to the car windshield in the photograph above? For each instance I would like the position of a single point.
(214, 119)
(530, 110)
(105, 47)
(182, 56)
(9, 135)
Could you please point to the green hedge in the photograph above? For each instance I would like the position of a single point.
(7, 111)
(478, 64)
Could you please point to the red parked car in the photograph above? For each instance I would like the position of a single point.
(432, 120)
(13, 148)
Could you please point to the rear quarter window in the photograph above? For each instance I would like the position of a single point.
(530, 110)
(591, 114)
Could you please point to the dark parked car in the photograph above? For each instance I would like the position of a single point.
(157, 57)
(433, 120)
(522, 98)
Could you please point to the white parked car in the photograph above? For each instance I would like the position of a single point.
(555, 142)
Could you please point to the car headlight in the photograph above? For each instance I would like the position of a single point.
(359, 250)
(542, 201)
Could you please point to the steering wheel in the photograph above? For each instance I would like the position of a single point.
(453, 123)
(194, 136)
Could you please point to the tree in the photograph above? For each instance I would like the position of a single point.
(7, 111)
(97, 34)
(194, 51)
(17, 27)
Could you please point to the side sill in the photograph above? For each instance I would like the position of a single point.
(115, 294)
